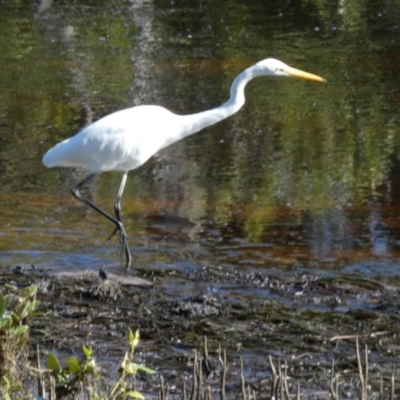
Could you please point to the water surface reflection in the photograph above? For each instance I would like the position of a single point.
(304, 178)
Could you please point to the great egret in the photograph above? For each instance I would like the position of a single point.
(126, 139)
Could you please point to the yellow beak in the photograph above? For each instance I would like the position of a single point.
(302, 74)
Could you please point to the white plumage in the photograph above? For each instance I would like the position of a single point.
(126, 139)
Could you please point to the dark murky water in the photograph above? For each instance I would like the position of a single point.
(305, 178)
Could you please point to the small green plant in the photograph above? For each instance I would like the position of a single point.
(15, 309)
(75, 373)
(85, 373)
(128, 367)
(6, 386)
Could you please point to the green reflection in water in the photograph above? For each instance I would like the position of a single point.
(295, 149)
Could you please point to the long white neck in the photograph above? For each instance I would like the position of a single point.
(195, 122)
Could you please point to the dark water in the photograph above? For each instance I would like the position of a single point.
(303, 179)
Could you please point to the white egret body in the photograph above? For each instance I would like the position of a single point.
(126, 139)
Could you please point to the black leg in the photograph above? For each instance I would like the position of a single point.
(118, 223)
(117, 210)
(117, 205)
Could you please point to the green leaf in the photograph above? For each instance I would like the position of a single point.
(2, 304)
(19, 330)
(138, 367)
(21, 342)
(74, 365)
(33, 305)
(13, 288)
(6, 323)
(134, 394)
(16, 319)
(38, 314)
(147, 370)
(133, 339)
(87, 351)
(90, 369)
(52, 362)
(130, 369)
(28, 291)
(22, 310)
(7, 300)
(7, 383)
(3, 318)
(131, 336)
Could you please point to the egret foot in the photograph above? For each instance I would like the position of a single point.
(123, 244)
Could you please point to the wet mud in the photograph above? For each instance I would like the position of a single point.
(307, 321)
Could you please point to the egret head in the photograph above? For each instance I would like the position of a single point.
(273, 67)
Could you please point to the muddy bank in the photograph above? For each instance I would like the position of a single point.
(307, 321)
